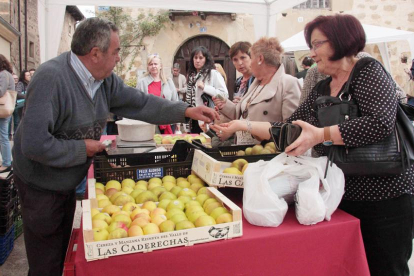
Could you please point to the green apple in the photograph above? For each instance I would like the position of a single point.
(178, 217)
(175, 190)
(173, 212)
(213, 205)
(149, 205)
(134, 231)
(99, 197)
(208, 201)
(248, 151)
(113, 197)
(257, 149)
(127, 189)
(122, 218)
(118, 233)
(232, 170)
(196, 180)
(137, 211)
(100, 186)
(196, 186)
(115, 225)
(192, 203)
(184, 199)
(128, 182)
(218, 211)
(181, 179)
(130, 206)
(146, 196)
(184, 184)
(151, 228)
(167, 195)
(110, 192)
(201, 198)
(100, 234)
(194, 216)
(175, 204)
(136, 192)
(239, 163)
(94, 211)
(103, 202)
(187, 192)
(169, 178)
(157, 211)
(202, 190)
(123, 199)
(158, 219)
(99, 224)
(141, 182)
(113, 184)
(152, 185)
(204, 221)
(164, 203)
(184, 224)
(194, 209)
(156, 180)
(158, 190)
(111, 209)
(167, 226)
(168, 185)
(141, 187)
(224, 218)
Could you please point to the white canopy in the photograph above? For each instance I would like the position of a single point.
(51, 14)
(374, 34)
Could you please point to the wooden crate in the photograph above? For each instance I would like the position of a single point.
(211, 171)
(148, 243)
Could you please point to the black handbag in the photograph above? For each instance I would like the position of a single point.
(207, 100)
(392, 155)
(284, 135)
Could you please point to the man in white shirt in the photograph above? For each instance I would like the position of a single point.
(180, 81)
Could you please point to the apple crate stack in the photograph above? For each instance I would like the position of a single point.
(8, 197)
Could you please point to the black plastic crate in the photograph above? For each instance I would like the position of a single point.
(6, 245)
(144, 171)
(7, 217)
(7, 189)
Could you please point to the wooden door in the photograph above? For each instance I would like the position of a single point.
(218, 48)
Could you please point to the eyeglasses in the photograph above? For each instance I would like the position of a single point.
(317, 44)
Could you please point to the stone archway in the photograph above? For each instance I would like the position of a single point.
(218, 48)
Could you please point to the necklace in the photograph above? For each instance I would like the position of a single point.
(335, 90)
(245, 112)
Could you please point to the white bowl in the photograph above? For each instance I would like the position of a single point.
(135, 131)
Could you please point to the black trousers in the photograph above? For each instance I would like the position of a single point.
(387, 231)
(47, 226)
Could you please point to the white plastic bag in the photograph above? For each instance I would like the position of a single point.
(318, 189)
(261, 206)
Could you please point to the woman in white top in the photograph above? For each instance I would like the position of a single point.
(154, 82)
(203, 78)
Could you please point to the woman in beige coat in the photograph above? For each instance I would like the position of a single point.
(274, 95)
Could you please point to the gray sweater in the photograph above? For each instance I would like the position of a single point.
(49, 152)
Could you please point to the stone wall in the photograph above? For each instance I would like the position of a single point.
(67, 33)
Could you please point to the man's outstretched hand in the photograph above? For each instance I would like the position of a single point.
(202, 113)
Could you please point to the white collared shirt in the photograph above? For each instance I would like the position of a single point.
(86, 77)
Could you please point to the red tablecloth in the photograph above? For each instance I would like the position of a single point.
(328, 248)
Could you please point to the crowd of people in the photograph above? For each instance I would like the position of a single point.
(60, 128)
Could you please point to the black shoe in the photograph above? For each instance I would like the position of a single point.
(6, 169)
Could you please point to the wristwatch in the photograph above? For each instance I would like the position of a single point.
(327, 140)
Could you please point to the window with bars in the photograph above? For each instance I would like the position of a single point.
(314, 4)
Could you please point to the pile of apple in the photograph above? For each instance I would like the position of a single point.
(237, 167)
(269, 148)
(170, 214)
(168, 139)
(156, 189)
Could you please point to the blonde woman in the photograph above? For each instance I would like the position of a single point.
(154, 81)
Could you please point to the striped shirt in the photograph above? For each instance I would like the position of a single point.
(91, 85)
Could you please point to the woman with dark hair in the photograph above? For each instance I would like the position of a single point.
(6, 83)
(202, 78)
(21, 88)
(240, 56)
(384, 204)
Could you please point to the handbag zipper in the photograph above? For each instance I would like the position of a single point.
(398, 140)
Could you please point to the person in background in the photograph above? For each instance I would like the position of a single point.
(21, 89)
(180, 82)
(154, 82)
(32, 71)
(16, 79)
(239, 54)
(383, 204)
(273, 95)
(307, 62)
(6, 83)
(220, 69)
(68, 102)
(202, 78)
